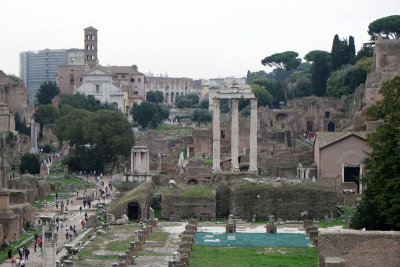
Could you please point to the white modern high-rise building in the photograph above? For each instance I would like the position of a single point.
(36, 67)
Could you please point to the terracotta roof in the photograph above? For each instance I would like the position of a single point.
(97, 67)
(122, 69)
(327, 138)
(90, 28)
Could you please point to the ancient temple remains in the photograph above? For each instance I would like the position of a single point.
(234, 93)
(140, 161)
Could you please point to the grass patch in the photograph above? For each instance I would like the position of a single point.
(158, 235)
(69, 180)
(347, 210)
(253, 256)
(204, 191)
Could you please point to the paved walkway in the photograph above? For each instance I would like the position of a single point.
(35, 258)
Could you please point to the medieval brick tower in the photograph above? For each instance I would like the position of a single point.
(90, 47)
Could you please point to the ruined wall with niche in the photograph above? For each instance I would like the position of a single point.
(285, 202)
(358, 248)
(175, 206)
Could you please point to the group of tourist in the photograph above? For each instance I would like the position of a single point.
(23, 255)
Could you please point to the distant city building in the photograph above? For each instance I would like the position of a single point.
(170, 87)
(130, 80)
(200, 88)
(98, 82)
(36, 67)
(80, 61)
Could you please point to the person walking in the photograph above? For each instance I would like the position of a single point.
(12, 261)
(80, 210)
(9, 252)
(27, 253)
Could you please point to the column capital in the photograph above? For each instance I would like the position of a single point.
(215, 102)
(234, 102)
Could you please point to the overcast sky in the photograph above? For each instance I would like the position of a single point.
(185, 38)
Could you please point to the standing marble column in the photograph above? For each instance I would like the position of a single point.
(216, 136)
(139, 162)
(147, 169)
(132, 156)
(253, 136)
(235, 135)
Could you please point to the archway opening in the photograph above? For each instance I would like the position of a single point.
(192, 182)
(133, 211)
(331, 127)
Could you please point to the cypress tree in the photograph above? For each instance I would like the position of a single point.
(336, 53)
(352, 50)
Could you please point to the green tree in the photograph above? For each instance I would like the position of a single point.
(80, 101)
(155, 96)
(46, 114)
(30, 163)
(380, 205)
(204, 104)
(284, 62)
(20, 126)
(148, 113)
(48, 90)
(367, 50)
(64, 109)
(14, 77)
(320, 70)
(388, 27)
(109, 133)
(69, 128)
(201, 115)
(261, 93)
(352, 50)
(336, 53)
(275, 89)
(187, 101)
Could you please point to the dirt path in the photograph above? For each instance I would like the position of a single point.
(35, 258)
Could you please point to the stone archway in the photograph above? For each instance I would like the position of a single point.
(193, 182)
(134, 210)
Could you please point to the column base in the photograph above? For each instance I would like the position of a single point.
(253, 170)
(235, 170)
(215, 170)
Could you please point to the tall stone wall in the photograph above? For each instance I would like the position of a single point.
(360, 248)
(284, 201)
(200, 207)
(12, 93)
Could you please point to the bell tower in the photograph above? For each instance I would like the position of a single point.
(90, 49)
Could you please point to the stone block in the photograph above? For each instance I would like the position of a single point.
(189, 232)
(191, 227)
(334, 262)
(193, 221)
(350, 199)
(307, 224)
(188, 238)
(186, 245)
(314, 234)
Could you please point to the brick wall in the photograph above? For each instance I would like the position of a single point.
(283, 201)
(188, 206)
(359, 248)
